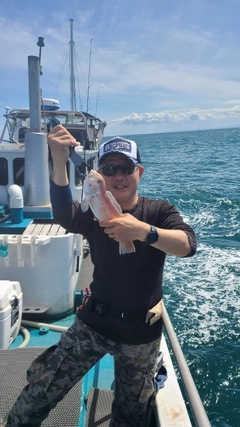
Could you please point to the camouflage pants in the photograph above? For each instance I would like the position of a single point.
(60, 367)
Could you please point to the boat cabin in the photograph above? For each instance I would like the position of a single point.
(87, 129)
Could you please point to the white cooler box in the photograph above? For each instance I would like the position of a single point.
(10, 312)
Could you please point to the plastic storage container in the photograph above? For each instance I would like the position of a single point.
(10, 311)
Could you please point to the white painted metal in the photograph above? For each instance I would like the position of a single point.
(170, 407)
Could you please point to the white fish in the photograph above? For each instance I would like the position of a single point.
(103, 204)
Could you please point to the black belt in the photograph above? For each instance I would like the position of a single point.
(106, 310)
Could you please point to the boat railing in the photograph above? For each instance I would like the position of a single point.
(196, 405)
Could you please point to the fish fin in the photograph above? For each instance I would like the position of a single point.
(84, 205)
(126, 248)
(114, 202)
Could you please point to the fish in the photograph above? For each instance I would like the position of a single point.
(103, 204)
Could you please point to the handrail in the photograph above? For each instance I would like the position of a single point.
(195, 402)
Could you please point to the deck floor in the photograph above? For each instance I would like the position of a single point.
(13, 367)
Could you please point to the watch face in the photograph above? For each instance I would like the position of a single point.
(152, 237)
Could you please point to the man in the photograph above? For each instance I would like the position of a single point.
(123, 315)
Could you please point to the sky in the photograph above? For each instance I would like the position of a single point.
(155, 65)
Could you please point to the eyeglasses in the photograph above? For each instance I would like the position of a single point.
(126, 169)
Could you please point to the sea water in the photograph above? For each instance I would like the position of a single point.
(198, 172)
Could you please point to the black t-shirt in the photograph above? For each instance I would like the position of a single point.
(128, 282)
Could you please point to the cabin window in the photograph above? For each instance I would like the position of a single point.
(18, 171)
(92, 162)
(21, 135)
(3, 171)
(79, 134)
(80, 172)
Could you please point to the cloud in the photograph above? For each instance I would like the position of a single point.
(178, 116)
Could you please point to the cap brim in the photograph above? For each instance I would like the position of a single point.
(105, 156)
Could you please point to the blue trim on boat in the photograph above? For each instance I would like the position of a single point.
(7, 227)
(38, 214)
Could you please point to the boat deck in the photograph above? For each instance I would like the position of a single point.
(77, 409)
(13, 366)
(44, 229)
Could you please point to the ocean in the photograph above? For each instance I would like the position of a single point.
(198, 172)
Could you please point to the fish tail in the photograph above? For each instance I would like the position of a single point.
(126, 248)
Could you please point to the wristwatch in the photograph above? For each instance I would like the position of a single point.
(152, 236)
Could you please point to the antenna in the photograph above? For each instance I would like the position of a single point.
(72, 75)
(97, 102)
(41, 44)
(89, 72)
